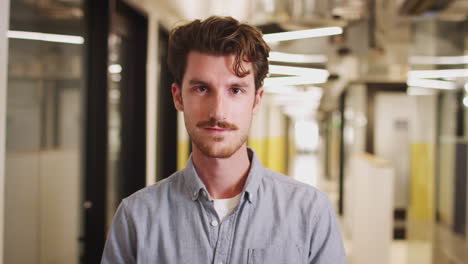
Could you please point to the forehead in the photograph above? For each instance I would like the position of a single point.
(215, 67)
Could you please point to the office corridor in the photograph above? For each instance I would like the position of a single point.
(365, 100)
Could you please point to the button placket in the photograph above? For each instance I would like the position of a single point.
(221, 233)
(222, 246)
(229, 231)
(209, 218)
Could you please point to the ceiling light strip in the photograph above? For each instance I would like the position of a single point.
(438, 60)
(453, 73)
(296, 58)
(434, 84)
(45, 37)
(302, 34)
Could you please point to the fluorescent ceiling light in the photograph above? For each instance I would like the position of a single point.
(296, 58)
(115, 68)
(439, 60)
(465, 101)
(419, 91)
(294, 80)
(45, 37)
(466, 87)
(302, 34)
(434, 84)
(454, 73)
(302, 71)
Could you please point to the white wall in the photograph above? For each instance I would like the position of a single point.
(355, 115)
(392, 138)
(402, 120)
(22, 204)
(59, 201)
(42, 201)
(368, 217)
(355, 124)
(4, 21)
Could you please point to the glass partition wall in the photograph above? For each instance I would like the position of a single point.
(44, 132)
(76, 125)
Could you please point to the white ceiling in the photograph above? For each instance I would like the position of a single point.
(172, 12)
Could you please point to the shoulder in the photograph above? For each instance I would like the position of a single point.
(151, 196)
(294, 190)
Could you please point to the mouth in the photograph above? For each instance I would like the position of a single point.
(216, 126)
(216, 129)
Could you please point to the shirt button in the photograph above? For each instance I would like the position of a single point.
(214, 223)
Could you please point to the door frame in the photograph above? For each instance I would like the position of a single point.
(4, 25)
(132, 27)
(99, 19)
(95, 130)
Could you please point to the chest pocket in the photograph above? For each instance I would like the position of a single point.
(276, 255)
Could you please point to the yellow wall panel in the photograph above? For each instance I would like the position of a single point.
(259, 146)
(182, 153)
(276, 147)
(422, 182)
(271, 152)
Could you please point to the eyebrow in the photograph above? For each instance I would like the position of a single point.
(239, 84)
(234, 84)
(195, 81)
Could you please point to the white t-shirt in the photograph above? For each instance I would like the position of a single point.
(225, 207)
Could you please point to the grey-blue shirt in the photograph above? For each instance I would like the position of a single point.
(278, 220)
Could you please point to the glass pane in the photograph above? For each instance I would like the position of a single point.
(44, 130)
(115, 124)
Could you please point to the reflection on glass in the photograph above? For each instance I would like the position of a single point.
(115, 124)
(44, 109)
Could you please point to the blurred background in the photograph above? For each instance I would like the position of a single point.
(366, 100)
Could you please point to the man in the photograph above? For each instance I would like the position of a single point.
(224, 207)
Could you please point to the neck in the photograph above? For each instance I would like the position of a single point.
(223, 178)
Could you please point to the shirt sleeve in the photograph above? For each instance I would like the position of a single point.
(326, 243)
(121, 239)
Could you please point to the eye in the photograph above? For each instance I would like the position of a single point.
(236, 90)
(201, 89)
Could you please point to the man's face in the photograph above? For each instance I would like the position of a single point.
(217, 104)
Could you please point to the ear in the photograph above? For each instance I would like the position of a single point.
(258, 100)
(177, 97)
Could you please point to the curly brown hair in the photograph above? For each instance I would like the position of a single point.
(219, 36)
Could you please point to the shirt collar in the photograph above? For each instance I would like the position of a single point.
(194, 184)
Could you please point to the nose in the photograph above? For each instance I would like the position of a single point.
(217, 107)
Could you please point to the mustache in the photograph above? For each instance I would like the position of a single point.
(217, 123)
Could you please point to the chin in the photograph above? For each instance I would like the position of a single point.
(218, 147)
(217, 152)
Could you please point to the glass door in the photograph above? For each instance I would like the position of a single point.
(43, 170)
